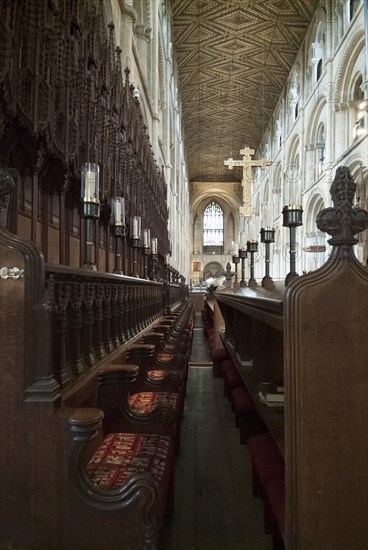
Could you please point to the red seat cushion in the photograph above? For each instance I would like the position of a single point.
(219, 354)
(241, 400)
(275, 494)
(122, 455)
(227, 364)
(266, 457)
(158, 375)
(146, 402)
(233, 378)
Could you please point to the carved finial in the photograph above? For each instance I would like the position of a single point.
(228, 273)
(343, 221)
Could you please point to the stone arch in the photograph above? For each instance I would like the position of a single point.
(293, 148)
(346, 67)
(314, 119)
(214, 270)
(315, 204)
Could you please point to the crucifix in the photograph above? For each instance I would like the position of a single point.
(247, 163)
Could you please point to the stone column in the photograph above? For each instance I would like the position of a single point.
(155, 75)
(366, 47)
(128, 18)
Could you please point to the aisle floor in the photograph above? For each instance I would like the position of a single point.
(200, 353)
(214, 506)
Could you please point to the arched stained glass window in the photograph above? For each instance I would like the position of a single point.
(213, 225)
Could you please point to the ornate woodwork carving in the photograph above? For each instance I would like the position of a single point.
(64, 101)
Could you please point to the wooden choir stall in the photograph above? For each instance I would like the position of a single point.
(92, 384)
(310, 336)
(95, 324)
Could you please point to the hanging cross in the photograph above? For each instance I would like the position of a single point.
(247, 163)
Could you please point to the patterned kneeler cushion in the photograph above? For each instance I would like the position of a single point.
(159, 375)
(122, 455)
(166, 357)
(146, 402)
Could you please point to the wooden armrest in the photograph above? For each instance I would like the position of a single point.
(115, 373)
(85, 424)
(140, 348)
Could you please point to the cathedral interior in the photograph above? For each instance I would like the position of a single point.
(183, 222)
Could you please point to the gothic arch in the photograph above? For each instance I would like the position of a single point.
(227, 200)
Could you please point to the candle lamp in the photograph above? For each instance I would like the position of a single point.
(236, 260)
(267, 237)
(252, 248)
(167, 267)
(292, 216)
(146, 251)
(119, 231)
(136, 242)
(242, 256)
(167, 284)
(90, 188)
(154, 256)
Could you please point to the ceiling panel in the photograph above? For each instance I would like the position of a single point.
(233, 57)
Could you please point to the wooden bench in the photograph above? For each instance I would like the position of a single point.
(158, 371)
(144, 412)
(120, 486)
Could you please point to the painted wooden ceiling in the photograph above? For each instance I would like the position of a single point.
(233, 58)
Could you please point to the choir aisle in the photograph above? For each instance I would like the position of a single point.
(200, 354)
(214, 508)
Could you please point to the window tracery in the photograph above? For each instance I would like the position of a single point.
(213, 225)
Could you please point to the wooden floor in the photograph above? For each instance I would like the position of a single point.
(214, 506)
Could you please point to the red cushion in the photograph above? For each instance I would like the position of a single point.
(159, 375)
(219, 354)
(241, 400)
(122, 455)
(266, 457)
(227, 364)
(146, 402)
(233, 378)
(275, 494)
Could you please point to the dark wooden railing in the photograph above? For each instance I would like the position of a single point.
(93, 314)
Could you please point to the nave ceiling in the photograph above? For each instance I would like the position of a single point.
(233, 59)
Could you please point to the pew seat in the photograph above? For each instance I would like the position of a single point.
(126, 410)
(267, 461)
(122, 455)
(146, 402)
(121, 485)
(218, 355)
(274, 491)
(158, 371)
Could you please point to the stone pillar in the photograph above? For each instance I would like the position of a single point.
(366, 47)
(155, 76)
(128, 18)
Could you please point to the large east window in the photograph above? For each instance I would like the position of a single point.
(213, 226)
